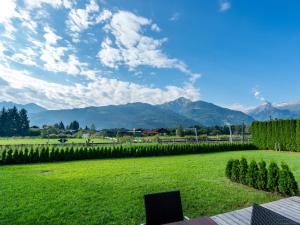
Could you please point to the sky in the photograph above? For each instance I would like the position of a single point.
(66, 54)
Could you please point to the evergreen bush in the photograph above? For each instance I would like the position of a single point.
(273, 177)
(262, 178)
(46, 154)
(228, 170)
(235, 173)
(252, 174)
(287, 184)
(243, 170)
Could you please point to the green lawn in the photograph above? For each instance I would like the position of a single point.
(111, 191)
(20, 141)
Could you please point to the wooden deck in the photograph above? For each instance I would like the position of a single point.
(288, 207)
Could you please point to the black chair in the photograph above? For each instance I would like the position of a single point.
(263, 216)
(163, 208)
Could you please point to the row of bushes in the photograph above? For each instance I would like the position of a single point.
(51, 154)
(258, 176)
(277, 134)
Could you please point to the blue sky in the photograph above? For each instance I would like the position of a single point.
(65, 54)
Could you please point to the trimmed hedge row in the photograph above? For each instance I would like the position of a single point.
(53, 154)
(277, 134)
(258, 176)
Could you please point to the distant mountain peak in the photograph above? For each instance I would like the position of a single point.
(182, 100)
(267, 110)
(30, 107)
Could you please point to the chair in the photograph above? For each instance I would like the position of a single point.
(162, 208)
(264, 216)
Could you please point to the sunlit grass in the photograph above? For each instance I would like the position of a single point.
(111, 191)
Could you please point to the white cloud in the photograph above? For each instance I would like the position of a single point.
(132, 48)
(155, 27)
(175, 16)
(27, 21)
(80, 19)
(50, 36)
(8, 12)
(39, 3)
(2, 48)
(25, 56)
(101, 91)
(53, 56)
(258, 95)
(103, 16)
(224, 5)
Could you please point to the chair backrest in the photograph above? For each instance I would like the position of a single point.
(163, 208)
(264, 216)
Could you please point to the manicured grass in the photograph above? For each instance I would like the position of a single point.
(111, 191)
(20, 141)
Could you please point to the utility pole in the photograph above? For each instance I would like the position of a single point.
(230, 132)
(196, 134)
(243, 131)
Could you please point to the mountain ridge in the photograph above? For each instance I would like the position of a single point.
(30, 107)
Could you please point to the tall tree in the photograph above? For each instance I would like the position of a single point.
(74, 125)
(23, 122)
(61, 125)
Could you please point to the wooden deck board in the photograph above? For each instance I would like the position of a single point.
(289, 207)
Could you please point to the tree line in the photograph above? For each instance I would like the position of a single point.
(53, 154)
(13, 122)
(277, 134)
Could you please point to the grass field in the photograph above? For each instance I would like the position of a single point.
(111, 191)
(20, 141)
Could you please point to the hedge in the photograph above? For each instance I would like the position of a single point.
(258, 176)
(53, 154)
(277, 134)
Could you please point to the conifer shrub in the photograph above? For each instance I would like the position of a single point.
(243, 170)
(9, 157)
(262, 178)
(25, 156)
(273, 177)
(37, 154)
(258, 176)
(235, 173)
(252, 174)
(228, 170)
(15, 156)
(287, 184)
(3, 157)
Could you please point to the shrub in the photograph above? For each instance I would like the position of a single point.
(273, 176)
(287, 184)
(44, 154)
(15, 156)
(252, 174)
(228, 170)
(243, 171)
(262, 178)
(3, 156)
(9, 159)
(25, 156)
(235, 174)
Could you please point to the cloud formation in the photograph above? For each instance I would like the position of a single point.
(20, 85)
(131, 47)
(258, 95)
(224, 5)
(52, 65)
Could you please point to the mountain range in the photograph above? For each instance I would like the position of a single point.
(31, 107)
(267, 111)
(170, 114)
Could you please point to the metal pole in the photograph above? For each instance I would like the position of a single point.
(196, 134)
(243, 132)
